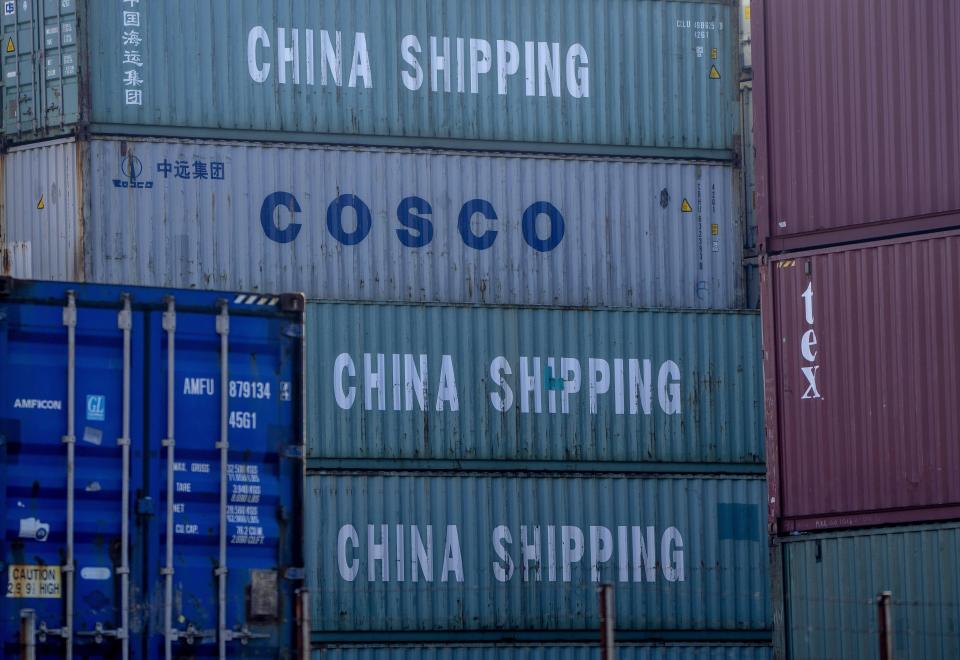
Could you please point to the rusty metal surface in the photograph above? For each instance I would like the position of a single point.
(427, 552)
(861, 352)
(455, 383)
(831, 582)
(441, 226)
(634, 77)
(856, 119)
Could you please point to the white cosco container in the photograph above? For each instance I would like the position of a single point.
(375, 225)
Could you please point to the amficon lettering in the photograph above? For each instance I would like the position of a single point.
(38, 404)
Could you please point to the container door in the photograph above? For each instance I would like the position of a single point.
(223, 557)
(63, 551)
(40, 65)
(21, 67)
(60, 75)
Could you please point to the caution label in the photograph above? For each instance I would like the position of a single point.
(685, 206)
(26, 581)
(41, 205)
(714, 72)
(714, 229)
(10, 47)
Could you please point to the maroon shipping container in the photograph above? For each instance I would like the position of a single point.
(862, 383)
(855, 119)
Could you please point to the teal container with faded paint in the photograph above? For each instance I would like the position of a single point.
(543, 651)
(629, 77)
(827, 587)
(624, 390)
(493, 556)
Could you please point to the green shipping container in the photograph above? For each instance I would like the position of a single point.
(826, 588)
(542, 651)
(623, 390)
(404, 556)
(632, 77)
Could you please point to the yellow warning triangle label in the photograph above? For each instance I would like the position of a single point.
(685, 206)
(10, 46)
(40, 204)
(714, 72)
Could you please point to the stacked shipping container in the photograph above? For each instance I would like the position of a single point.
(473, 473)
(481, 471)
(856, 159)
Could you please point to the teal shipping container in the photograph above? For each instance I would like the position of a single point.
(482, 557)
(826, 588)
(627, 77)
(544, 652)
(623, 390)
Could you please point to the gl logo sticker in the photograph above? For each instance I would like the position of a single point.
(96, 407)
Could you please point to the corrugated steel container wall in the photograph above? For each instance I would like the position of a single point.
(831, 582)
(215, 216)
(42, 212)
(535, 385)
(637, 77)
(862, 386)
(451, 553)
(856, 117)
(545, 652)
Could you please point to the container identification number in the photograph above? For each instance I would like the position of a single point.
(249, 389)
(243, 420)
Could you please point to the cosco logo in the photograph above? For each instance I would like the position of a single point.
(542, 225)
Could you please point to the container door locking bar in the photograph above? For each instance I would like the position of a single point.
(66, 632)
(100, 632)
(223, 329)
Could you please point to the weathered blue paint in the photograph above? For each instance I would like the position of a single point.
(497, 383)
(263, 474)
(642, 77)
(406, 553)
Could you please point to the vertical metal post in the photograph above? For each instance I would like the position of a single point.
(303, 612)
(28, 635)
(70, 439)
(607, 622)
(885, 625)
(125, 323)
(170, 327)
(223, 329)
